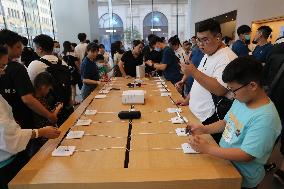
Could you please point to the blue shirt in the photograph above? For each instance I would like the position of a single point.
(240, 48)
(254, 131)
(196, 57)
(261, 52)
(172, 72)
(89, 70)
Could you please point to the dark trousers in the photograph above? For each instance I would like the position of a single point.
(80, 84)
(34, 146)
(8, 172)
(282, 140)
(214, 118)
(64, 114)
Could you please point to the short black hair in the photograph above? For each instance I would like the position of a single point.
(155, 40)
(67, 47)
(265, 30)
(194, 37)
(101, 46)
(55, 41)
(82, 37)
(135, 43)
(185, 42)
(92, 47)
(74, 44)
(43, 79)
(96, 41)
(243, 29)
(150, 36)
(100, 57)
(10, 38)
(210, 25)
(243, 70)
(174, 40)
(25, 41)
(3, 51)
(45, 42)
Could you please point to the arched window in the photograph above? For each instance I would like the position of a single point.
(110, 29)
(155, 22)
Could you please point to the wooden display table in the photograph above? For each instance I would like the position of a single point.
(155, 159)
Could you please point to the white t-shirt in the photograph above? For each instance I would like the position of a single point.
(80, 50)
(201, 103)
(37, 66)
(13, 139)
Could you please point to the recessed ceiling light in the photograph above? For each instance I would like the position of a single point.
(226, 16)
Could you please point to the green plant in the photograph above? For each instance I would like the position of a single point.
(128, 37)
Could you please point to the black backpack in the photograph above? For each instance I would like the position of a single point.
(222, 105)
(75, 75)
(273, 77)
(61, 84)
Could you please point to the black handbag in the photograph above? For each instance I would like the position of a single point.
(222, 105)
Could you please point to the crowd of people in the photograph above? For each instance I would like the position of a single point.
(220, 80)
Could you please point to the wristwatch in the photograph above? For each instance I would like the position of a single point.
(35, 131)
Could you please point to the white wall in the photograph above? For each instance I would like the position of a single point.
(248, 10)
(93, 19)
(73, 17)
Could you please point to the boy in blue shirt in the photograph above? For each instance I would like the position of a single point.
(250, 127)
(263, 47)
(240, 47)
(169, 64)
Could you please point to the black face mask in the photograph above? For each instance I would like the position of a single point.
(254, 42)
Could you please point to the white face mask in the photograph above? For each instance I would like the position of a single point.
(157, 49)
(56, 50)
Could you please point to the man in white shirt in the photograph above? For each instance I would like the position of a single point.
(208, 76)
(13, 140)
(80, 49)
(44, 48)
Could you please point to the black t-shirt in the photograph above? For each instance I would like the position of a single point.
(130, 63)
(146, 51)
(71, 62)
(156, 57)
(14, 84)
(153, 55)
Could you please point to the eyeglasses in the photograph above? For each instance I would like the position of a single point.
(233, 92)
